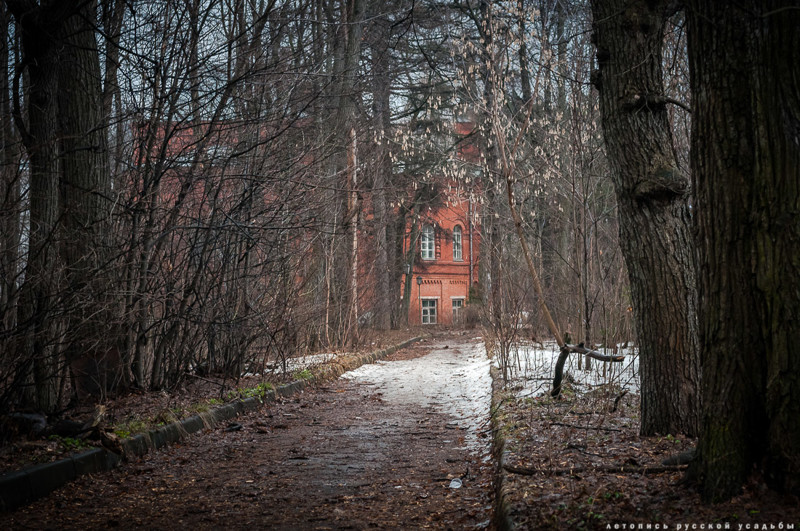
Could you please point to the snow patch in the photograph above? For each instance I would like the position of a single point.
(533, 367)
(453, 379)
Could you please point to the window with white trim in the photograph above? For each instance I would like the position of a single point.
(427, 246)
(457, 247)
(428, 311)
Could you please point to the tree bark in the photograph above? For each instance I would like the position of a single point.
(352, 17)
(65, 140)
(39, 24)
(10, 229)
(113, 14)
(745, 62)
(383, 173)
(654, 214)
(85, 185)
(491, 241)
(353, 207)
(342, 219)
(410, 253)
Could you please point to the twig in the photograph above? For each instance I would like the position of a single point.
(562, 359)
(583, 427)
(582, 449)
(615, 469)
(221, 384)
(593, 353)
(616, 401)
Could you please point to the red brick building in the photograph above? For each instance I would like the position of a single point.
(445, 261)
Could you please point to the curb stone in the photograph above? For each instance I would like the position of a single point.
(501, 520)
(21, 487)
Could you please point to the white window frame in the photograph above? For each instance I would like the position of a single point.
(428, 243)
(426, 315)
(458, 247)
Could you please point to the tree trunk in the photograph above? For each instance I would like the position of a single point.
(745, 62)
(491, 241)
(652, 195)
(346, 46)
(113, 14)
(85, 185)
(10, 196)
(353, 208)
(38, 294)
(410, 253)
(383, 174)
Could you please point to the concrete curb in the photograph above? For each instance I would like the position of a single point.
(24, 486)
(501, 520)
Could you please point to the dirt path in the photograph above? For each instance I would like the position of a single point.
(381, 447)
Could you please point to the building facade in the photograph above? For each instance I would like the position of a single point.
(445, 264)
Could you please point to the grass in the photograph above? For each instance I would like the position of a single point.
(69, 443)
(259, 391)
(131, 427)
(305, 374)
(202, 407)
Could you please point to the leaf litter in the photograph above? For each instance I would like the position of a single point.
(353, 453)
(578, 462)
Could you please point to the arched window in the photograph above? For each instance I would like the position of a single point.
(457, 247)
(427, 246)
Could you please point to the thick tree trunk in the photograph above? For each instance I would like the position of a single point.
(66, 144)
(652, 195)
(84, 191)
(777, 182)
(745, 62)
(40, 24)
(38, 294)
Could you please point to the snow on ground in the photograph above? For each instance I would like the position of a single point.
(298, 363)
(306, 362)
(533, 366)
(453, 379)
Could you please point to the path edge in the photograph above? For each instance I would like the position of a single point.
(501, 518)
(29, 484)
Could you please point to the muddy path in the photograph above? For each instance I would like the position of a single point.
(382, 447)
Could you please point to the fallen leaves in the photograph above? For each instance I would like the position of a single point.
(571, 464)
